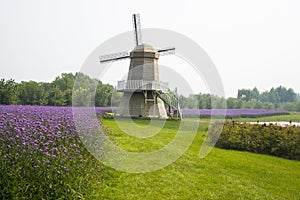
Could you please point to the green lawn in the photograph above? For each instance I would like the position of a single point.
(223, 174)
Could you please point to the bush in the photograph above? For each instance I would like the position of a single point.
(265, 139)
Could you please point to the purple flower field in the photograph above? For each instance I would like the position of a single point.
(232, 112)
(100, 110)
(41, 153)
(246, 112)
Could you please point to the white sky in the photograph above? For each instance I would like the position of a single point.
(252, 43)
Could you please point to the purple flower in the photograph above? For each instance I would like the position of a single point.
(47, 154)
(248, 112)
(54, 149)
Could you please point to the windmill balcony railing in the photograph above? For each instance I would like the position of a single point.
(139, 85)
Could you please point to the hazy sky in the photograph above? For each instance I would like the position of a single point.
(252, 43)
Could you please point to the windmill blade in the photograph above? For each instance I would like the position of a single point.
(114, 57)
(166, 51)
(137, 29)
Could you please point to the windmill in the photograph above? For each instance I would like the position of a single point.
(144, 95)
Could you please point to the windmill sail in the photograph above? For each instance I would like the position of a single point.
(114, 57)
(137, 29)
(166, 51)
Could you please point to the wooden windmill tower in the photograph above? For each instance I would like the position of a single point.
(144, 95)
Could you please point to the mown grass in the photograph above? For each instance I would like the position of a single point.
(223, 174)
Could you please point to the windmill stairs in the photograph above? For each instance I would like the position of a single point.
(171, 101)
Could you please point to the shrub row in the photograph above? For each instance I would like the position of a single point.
(265, 139)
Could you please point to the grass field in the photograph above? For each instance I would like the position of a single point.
(223, 174)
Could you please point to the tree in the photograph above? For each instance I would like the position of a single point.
(264, 97)
(291, 96)
(297, 106)
(204, 101)
(258, 104)
(82, 97)
(89, 92)
(244, 94)
(255, 94)
(56, 97)
(231, 103)
(288, 106)
(65, 84)
(218, 102)
(8, 92)
(84, 90)
(274, 97)
(32, 93)
(182, 101)
(116, 98)
(103, 94)
(192, 102)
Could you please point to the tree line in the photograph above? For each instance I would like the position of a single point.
(86, 91)
(59, 92)
(275, 98)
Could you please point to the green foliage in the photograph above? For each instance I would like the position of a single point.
(92, 92)
(87, 91)
(56, 97)
(272, 139)
(8, 92)
(291, 106)
(116, 98)
(103, 94)
(201, 101)
(108, 115)
(188, 102)
(32, 93)
(245, 94)
(233, 103)
(279, 97)
(60, 92)
(204, 101)
(83, 90)
(276, 98)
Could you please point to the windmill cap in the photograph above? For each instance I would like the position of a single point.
(144, 48)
